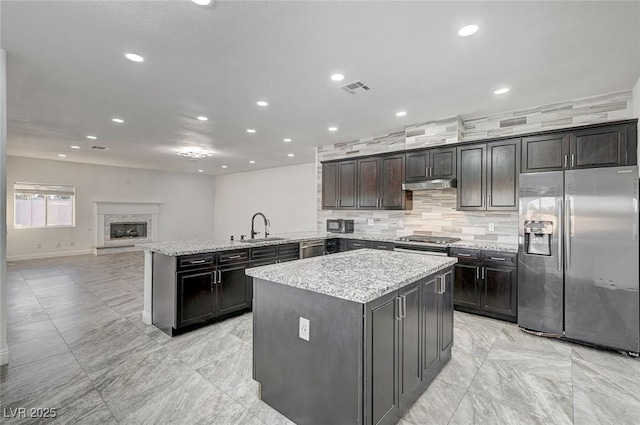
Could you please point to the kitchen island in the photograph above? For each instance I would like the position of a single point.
(351, 338)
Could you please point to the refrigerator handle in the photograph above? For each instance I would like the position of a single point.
(560, 233)
(567, 232)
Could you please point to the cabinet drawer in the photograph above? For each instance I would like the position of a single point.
(187, 262)
(465, 254)
(500, 258)
(387, 246)
(357, 244)
(289, 251)
(232, 257)
(263, 252)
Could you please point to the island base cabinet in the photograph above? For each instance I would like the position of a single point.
(363, 363)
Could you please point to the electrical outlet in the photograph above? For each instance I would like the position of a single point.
(38, 245)
(370, 221)
(72, 243)
(492, 227)
(303, 329)
(58, 245)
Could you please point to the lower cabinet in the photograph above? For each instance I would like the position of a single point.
(410, 335)
(486, 283)
(195, 301)
(232, 291)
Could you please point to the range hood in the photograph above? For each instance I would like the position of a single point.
(430, 184)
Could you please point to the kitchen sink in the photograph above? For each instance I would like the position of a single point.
(262, 240)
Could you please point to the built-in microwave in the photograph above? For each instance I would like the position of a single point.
(339, 226)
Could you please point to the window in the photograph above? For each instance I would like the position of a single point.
(43, 205)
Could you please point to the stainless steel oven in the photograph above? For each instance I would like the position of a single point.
(313, 248)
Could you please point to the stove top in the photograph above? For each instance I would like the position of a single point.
(438, 240)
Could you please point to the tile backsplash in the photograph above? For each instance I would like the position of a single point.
(434, 211)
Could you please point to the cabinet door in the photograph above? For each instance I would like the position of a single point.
(446, 316)
(369, 183)
(545, 153)
(232, 291)
(599, 147)
(417, 164)
(391, 194)
(503, 168)
(472, 177)
(195, 297)
(500, 290)
(466, 291)
(443, 163)
(330, 185)
(347, 184)
(382, 400)
(410, 371)
(430, 327)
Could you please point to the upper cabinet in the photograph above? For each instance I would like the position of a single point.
(488, 175)
(379, 182)
(339, 185)
(604, 146)
(431, 164)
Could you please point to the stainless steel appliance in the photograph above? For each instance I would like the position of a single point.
(339, 226)
(578, 255)
(313, 248)
(417, 244)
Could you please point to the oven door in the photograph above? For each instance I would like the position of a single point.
(311, 249)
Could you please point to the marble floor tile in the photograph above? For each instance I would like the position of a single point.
(437, 405)
(36, 349)
(27, 332)
(476, 409)
(595, 378)
(204, 347)
(598, 407)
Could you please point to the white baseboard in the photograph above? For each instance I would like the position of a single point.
(48, 255)
(4, 356)
(146, 318)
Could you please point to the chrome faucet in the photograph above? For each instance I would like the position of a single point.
(266, 225)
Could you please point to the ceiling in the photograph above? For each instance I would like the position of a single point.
(67, 76)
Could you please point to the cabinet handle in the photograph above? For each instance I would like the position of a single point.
(483, 269)
(463, 255)
(482, 205)
(426, 172)
(197, 261)
(477, 272)
(573, 159)
(488, 200)
(404, 306)
(233, 257)
(397, 301)
(565, 160)
(430, 171)
(498, 258)
(357, 244)
(339, 202)
(215, 277)
(219, 276)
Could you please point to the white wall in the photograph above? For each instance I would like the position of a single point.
(286, 195)
(186, 210)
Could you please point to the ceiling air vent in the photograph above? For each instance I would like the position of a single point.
(100, 148)
(355, 87)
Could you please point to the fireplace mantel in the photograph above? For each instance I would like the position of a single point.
(108, 212)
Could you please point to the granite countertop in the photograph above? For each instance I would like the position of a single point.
(199, 246)
(491, 246)
(360, 276)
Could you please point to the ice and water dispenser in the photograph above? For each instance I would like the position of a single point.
(537, 237)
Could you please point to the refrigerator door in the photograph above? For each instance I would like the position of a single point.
(601, 270)
(540, 261)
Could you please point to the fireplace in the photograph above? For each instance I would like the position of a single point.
(134, 230)
(122, 225)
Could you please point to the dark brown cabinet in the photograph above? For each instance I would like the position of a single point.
(195, 302)
(380, 182)
(486, 282)
(431, 164)
(597, 146)
(409, 337)
(488, 175)
(339, 185)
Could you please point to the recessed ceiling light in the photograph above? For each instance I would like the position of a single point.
(133, 57)
(195, 153)
(337, 77)
(118, 120)
(75, 147)
(252, 162)
(92, 137)
(201, 171)
(290, 155)
(203, 2)
(333, 128)
(401, 113)
(502, 90)
(251, 130)
(286, 140)
(262, 103)
(468, 30)
(61, 155)
(224, 166)
(202, 118)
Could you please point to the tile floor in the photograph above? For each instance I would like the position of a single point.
(77, 344)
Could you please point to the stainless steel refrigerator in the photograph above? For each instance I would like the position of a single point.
(578, 255)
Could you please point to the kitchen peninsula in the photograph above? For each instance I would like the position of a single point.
(351, 338)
